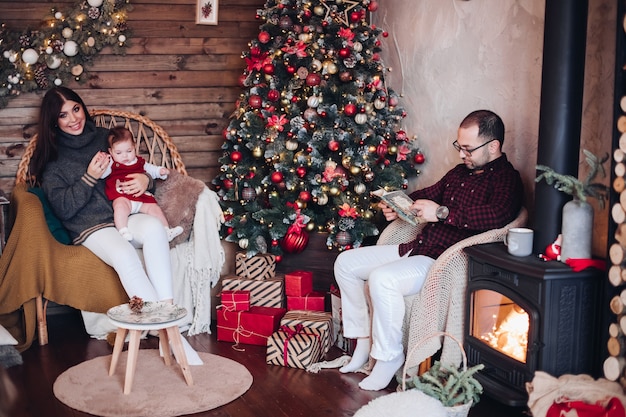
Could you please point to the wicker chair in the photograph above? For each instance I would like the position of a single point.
(35, 267)
(428, 312)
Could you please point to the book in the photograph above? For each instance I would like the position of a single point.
(399, 202)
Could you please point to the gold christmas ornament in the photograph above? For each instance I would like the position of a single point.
(355, 170)
(257, 152)
(334, 191)
(291, 145)
(243, 243)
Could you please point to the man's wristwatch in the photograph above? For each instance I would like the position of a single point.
(442, 213)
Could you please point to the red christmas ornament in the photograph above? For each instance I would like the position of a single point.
(273, 95)
(264, 37)
(343, 238)
(349, 109)
(304, 196)
(235, 156)
(225, 133)
(295, 240)
(381, 150)
(291, 69)
(242, 80)
(345, 76)
(268, 68)
(274, 242)
(344, 53)
(277, 177)
(333, 145)
(419, 158)
(376, 57)
(313, 79)
(228, 183)
(385, 34)
(355, 16)
(255, 101)
(278, 258)
(307, 13)
(229, 230)
(301, 172)
(373, 6)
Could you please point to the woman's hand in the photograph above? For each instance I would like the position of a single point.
(135, 184)
(98, 164)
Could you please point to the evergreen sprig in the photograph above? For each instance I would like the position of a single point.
(449, 384)
(571, 185)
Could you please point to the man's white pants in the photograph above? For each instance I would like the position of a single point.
(391, 278)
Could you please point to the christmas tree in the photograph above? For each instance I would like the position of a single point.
(314, 132)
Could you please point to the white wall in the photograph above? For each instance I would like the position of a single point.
(450, 57)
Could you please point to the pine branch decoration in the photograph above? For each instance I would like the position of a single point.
(571, 185)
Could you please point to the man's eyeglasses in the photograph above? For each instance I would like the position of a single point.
(468, 152)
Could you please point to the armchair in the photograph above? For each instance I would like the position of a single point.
(440, 305)
(35, 267)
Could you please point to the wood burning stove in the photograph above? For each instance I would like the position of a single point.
(525, 315)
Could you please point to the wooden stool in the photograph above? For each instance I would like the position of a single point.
(151, 319)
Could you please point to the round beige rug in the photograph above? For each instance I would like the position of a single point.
(157, 391)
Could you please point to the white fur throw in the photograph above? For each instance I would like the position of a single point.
(407, 403)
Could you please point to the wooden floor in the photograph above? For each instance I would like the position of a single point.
(293, 392)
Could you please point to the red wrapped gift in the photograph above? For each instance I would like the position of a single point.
(313, 301)
(298, 283)
(235, 300)
(251, 327)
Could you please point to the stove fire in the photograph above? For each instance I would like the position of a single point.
(501, 324)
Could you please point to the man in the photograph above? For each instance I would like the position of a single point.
(484, 192)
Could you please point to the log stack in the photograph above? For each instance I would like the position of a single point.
(614, 366)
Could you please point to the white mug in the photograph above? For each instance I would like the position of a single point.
(519, 241)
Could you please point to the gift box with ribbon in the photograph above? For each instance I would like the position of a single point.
(316, 322)
(347, 345)
(295, 348)
(313, 301)
(266, 293)
(298, 283)
(235, 300)
(251, 327)
(258, 267)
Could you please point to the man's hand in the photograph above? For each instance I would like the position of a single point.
(426, 209)
(389, 214)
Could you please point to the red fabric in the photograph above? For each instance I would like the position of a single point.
(613, 408)
(581, 264)
(120, 172)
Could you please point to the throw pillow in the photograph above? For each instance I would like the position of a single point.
(54, 224)
(177, 196)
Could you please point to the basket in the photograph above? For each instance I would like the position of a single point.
(458, 410)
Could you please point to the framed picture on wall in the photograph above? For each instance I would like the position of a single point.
(206, 12)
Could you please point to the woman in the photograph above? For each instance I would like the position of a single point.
(70, 157)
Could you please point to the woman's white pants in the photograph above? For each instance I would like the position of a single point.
(390, 278)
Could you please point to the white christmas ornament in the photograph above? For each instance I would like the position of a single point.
(49, 50)
(58, 81)
(30, 56)
(70, 48)
(67, 33)
(91, 41)
(95, 3)
(121, 38)
(58, 15)
(6, 54)
(53, 61)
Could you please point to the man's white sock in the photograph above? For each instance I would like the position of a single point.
(382, 374)
(360, 356)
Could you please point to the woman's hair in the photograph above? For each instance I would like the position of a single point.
(490, 125)
(120, 134)
(47, 128)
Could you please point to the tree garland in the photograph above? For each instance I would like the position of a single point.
(60, 49)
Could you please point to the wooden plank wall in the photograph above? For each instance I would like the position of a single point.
(182, 75)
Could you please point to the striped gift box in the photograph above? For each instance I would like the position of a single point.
(259, 267)
(297, 348)
(316, 322)
(266, 293)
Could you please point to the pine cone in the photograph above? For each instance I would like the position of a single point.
(136, 304)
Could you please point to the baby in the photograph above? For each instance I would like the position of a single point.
(125, 161)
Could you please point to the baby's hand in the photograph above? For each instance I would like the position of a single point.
(164, 171)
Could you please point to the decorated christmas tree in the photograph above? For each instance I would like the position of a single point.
(315, 130)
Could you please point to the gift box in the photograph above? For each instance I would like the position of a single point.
(313, 301)
(316, 322)
(251, 327)
(235, 300)
(267, 293)
(298, 283)
(295, 348)
(343, 343)
(258, 267)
